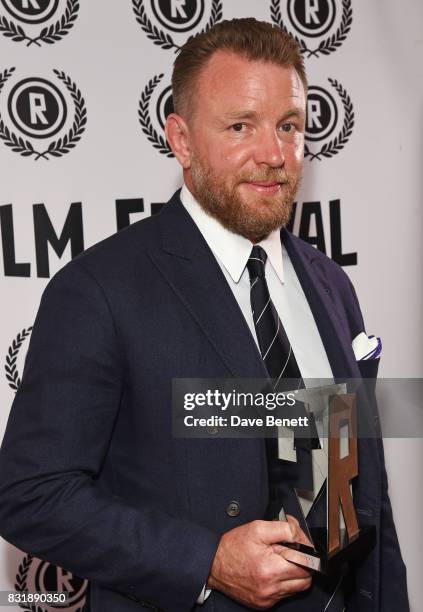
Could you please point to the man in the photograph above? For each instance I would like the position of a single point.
(90, 476)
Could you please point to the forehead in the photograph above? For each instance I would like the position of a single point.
(230, 80)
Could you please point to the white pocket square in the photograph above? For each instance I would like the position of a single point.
(366, 347)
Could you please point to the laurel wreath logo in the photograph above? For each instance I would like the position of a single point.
(56, 148)
(156, 139)
(21, 586)
(47, 35)
(12, 373)
(333, 147)
(21, 577)
(326, 46)
(163, 39)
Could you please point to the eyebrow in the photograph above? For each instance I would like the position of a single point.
(250, 114)
(294, 112)
(241, 114)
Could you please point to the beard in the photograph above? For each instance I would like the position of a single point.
(254, 217)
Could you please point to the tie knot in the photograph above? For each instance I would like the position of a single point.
(256, 261)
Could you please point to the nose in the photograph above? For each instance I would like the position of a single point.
(269, 149)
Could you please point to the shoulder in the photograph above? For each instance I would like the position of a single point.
(117, 258)
(129, 242)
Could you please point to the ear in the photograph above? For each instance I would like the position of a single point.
(177, 135)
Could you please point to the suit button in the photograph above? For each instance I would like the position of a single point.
(233, 508)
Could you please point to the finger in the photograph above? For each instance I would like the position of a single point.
(299, 534)
(273, 532)
(280, 549)
(304, 560)
(290, 569)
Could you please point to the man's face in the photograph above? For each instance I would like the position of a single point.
(246, 140)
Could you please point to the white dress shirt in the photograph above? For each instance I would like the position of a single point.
(232, 252)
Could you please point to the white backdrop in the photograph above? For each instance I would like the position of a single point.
(364, 61)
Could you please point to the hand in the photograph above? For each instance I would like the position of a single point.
(249, 565)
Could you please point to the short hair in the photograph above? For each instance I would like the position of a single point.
(247, 37)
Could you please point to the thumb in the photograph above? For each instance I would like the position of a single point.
(298, 533)
(274, 532)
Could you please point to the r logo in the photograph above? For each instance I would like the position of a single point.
(31, 11)
(166, 21)
(36, 576)
(323, 118)
(314, 19)
(178, 15)
(49, 577)
(30, 14)
(37, 108)
(322, 114)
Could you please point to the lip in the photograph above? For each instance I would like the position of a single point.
(264, 186)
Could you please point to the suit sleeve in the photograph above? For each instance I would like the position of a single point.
(393, 574)
(59, 428)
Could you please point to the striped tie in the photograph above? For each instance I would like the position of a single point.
(275, 348)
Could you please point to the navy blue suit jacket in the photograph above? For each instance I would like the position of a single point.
(91, 478)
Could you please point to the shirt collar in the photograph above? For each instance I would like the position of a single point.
(231, 249)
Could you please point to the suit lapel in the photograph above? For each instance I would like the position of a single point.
(189, 266)
(335, 337)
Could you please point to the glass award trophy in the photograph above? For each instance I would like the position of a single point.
(320, 493)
